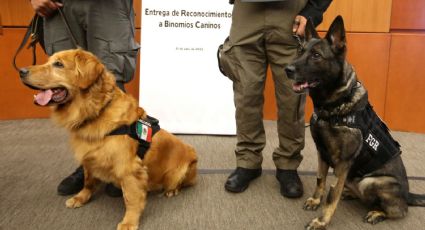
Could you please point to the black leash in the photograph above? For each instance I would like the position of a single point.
(68, 28)
(35, 32)
(300, 43)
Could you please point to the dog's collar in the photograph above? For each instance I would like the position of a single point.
(344, 104)
(337, 120)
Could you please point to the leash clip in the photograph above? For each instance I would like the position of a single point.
(300, 42)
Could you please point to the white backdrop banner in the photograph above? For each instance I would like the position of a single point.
(180, 83)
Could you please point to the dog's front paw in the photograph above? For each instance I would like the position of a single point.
(172, 193)
(316, 224)
(374, 217)
(127, 226)
(74, 202)
(311, 204)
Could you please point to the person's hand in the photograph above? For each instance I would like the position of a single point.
(45, 8)
(298, 28)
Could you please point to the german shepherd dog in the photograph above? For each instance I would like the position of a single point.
(348, 134)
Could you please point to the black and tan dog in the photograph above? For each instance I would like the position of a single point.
(349, 136)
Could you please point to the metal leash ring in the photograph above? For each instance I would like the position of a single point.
(300, 43)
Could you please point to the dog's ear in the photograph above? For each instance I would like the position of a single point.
(88, 68)
(336, 35)
(310, 31)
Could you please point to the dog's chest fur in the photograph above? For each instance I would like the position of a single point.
(336, 143)
(339, 142)
(100, 157)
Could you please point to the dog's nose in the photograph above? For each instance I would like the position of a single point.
(23, 72)
(290, 71)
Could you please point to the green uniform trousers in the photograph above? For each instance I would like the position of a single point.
(261, 36)
(103, 27)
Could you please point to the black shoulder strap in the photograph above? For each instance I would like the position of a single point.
(133, 130)
(123, 130)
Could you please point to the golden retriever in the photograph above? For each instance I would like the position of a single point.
(86, 101)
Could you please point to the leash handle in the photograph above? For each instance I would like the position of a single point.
(33, 34)
(68, 28)
(29, 33)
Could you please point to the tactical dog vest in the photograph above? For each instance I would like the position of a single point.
(378, 145)
(142, 131)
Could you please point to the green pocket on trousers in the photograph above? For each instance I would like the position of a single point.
(226, 61)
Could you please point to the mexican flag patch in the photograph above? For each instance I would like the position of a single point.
(144, 130)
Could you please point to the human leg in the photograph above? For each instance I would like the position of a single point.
(110, 36)
(250, 65)
(281, 49)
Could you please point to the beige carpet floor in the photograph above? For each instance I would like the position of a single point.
(35, 156)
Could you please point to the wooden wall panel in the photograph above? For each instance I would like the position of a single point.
(16, 12)
(270, 107)
(408, 14)
(368, 53)
(16, 100)
(371, 16)
(19, 12)
(360, 15)
(137, 5)
(405, 108)
(1, 26)
(337, 7)
(133, 86)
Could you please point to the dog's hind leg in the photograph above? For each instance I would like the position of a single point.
(134, 189)
(84, 195)
(393, 208)
(387, 192)
(173, 180)
(191, 175)
(313, 202)
(332, 199)
(179, 177)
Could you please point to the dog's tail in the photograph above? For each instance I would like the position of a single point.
(416, 199)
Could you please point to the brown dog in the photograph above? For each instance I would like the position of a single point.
(86, 101)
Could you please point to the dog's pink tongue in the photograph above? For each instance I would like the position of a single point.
(300, 86)
(43, 97)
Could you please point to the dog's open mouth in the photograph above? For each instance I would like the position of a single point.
(302, 86)
(55, 95)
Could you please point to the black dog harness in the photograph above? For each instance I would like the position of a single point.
(378, 147)
(142, 131)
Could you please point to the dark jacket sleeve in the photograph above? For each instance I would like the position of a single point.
(314, 10)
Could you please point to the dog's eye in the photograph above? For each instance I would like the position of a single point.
(58, 64)
(316, 55)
